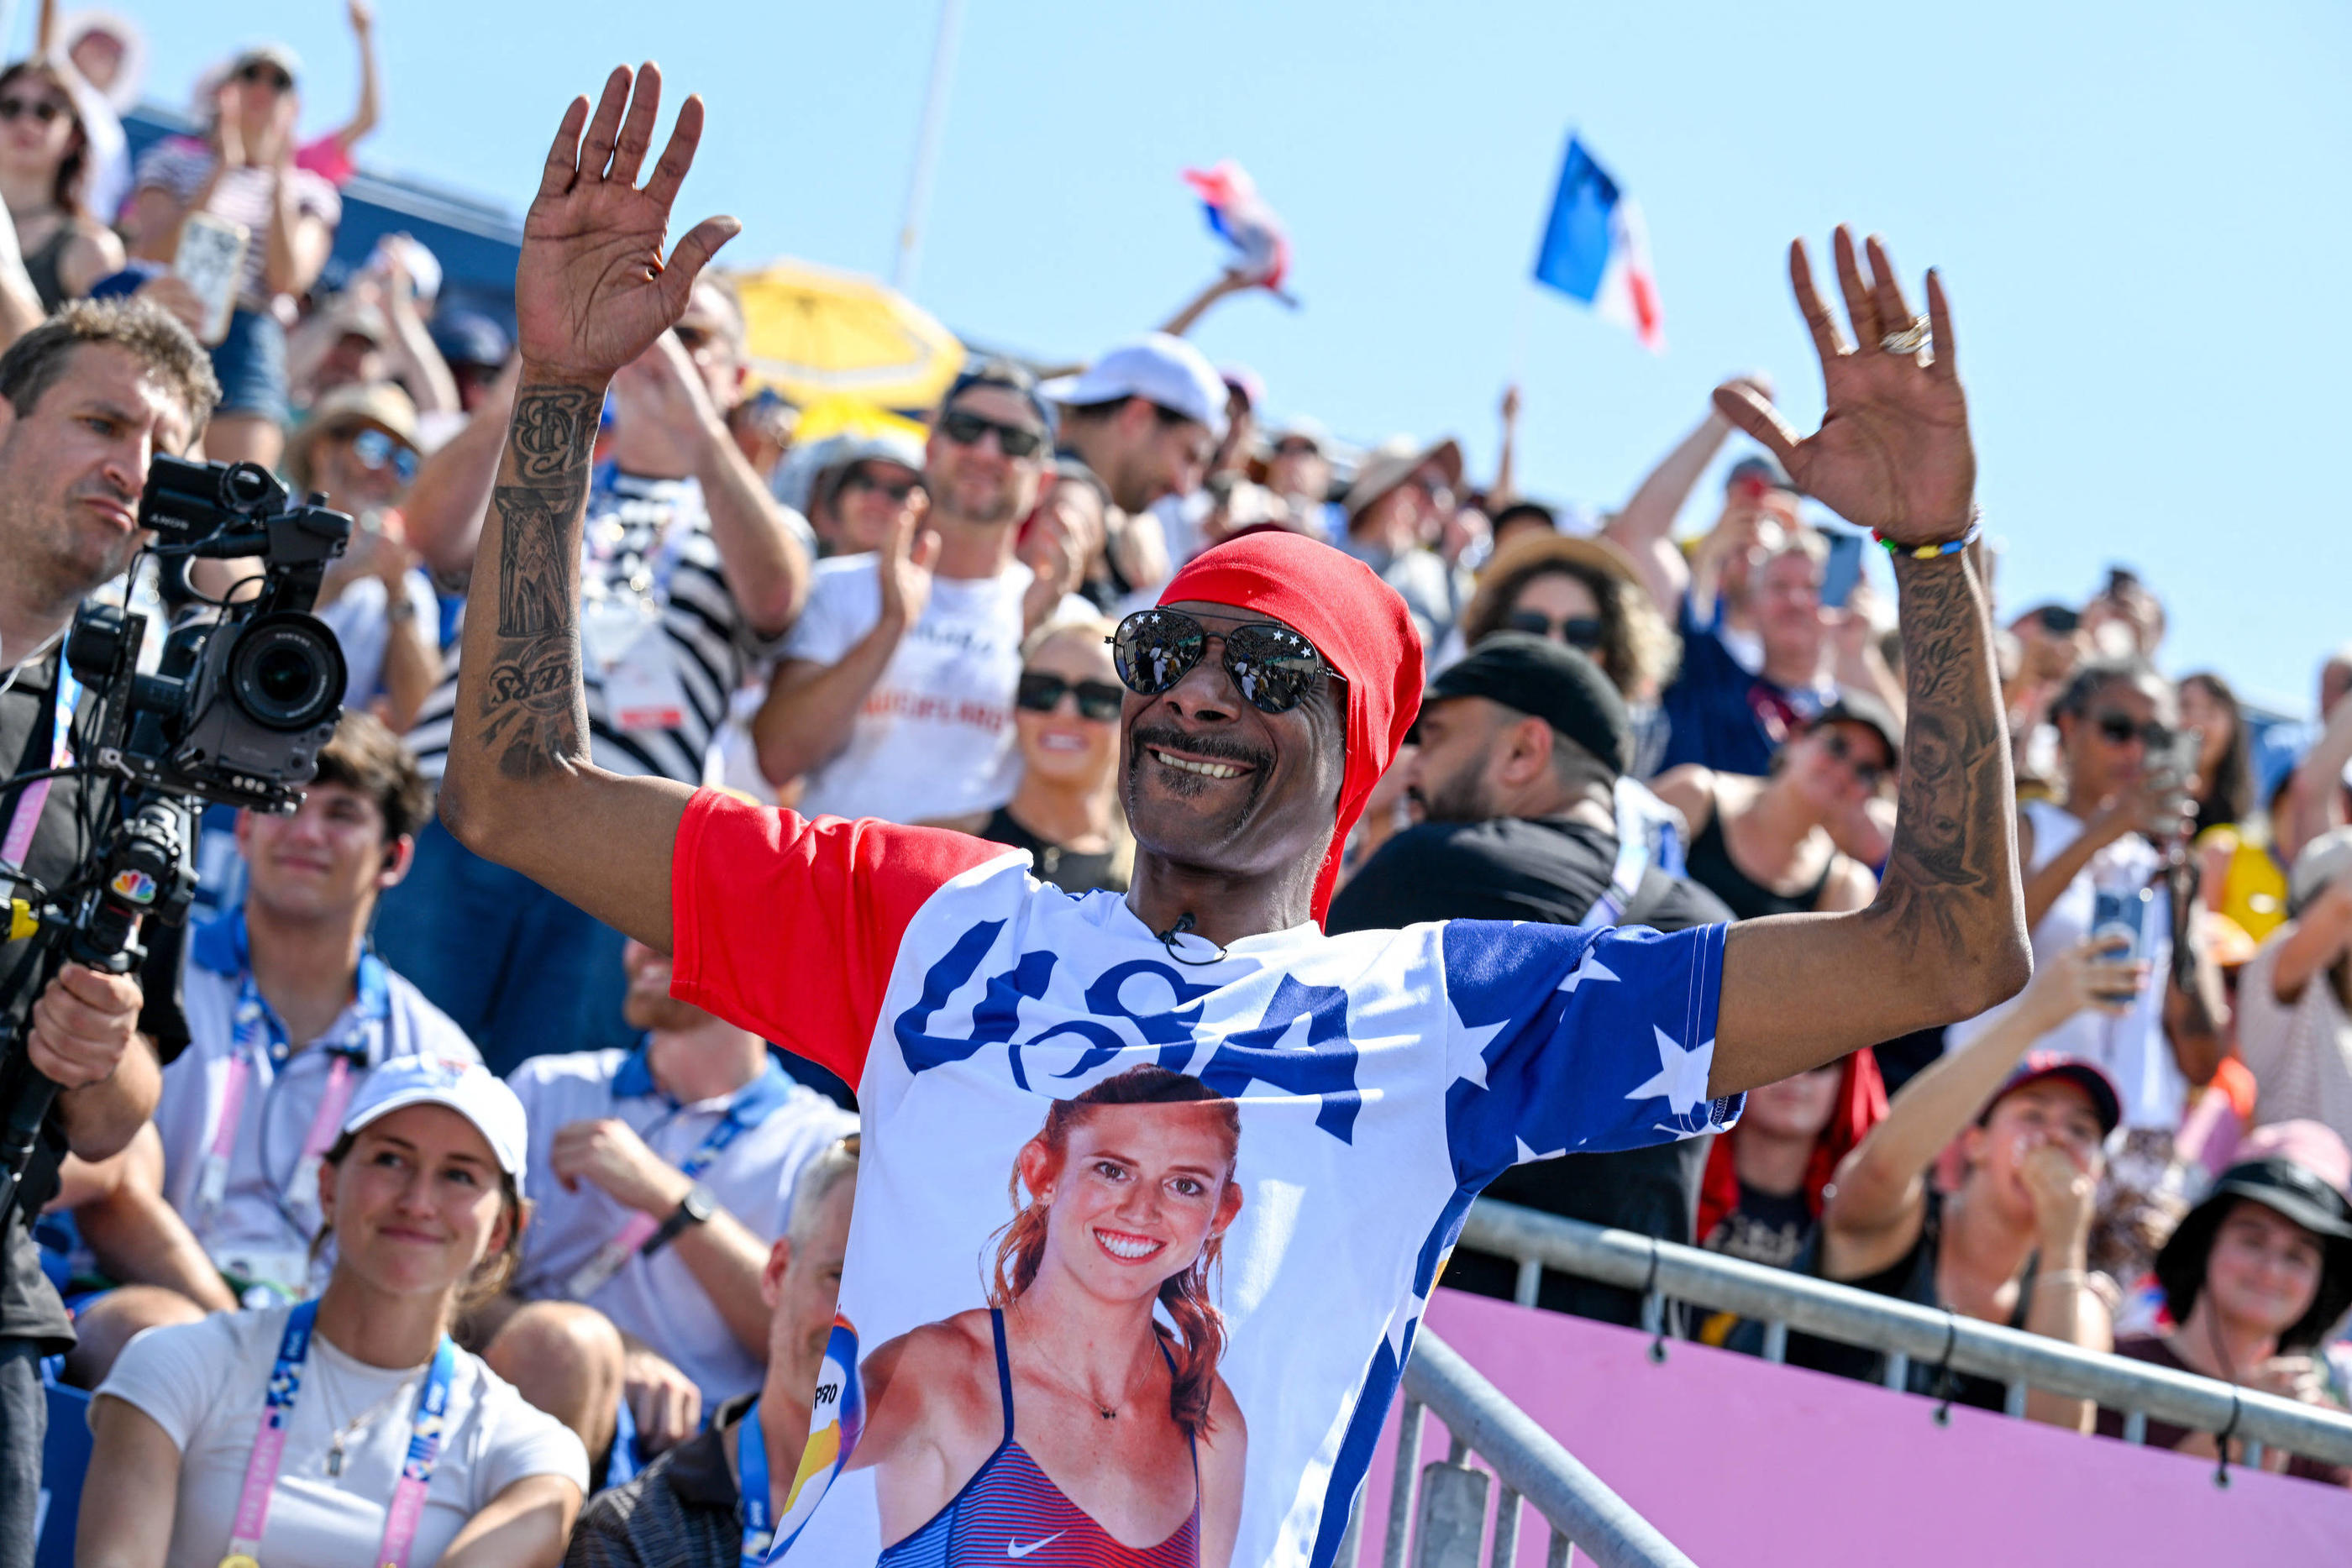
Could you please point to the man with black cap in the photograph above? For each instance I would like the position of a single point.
(1214, 1155)
(1521, 745)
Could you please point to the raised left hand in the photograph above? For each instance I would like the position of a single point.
(1893, 453)
(591, 289)
(82, 1024)
(606, 1153)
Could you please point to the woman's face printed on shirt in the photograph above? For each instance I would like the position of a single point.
(417, 1203)
(1141, 1190)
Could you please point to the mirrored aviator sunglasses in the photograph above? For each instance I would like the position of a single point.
(1270, 666)
(374, 449)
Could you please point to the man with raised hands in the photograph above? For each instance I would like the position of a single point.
(1155, 1186)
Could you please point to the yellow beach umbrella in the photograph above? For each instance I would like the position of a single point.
(815, 332)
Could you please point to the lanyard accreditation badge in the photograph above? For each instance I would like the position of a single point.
(753, 1105)
(427, 1426)
(16, 838)
(257, 1035)
(751, 1478)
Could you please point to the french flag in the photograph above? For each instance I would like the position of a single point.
(1596, 249)
(1240, 217)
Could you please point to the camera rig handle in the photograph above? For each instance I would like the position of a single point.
(149, 870)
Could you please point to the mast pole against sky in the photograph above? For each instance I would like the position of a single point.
(927, 144)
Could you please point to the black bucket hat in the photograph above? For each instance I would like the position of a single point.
(2290, 1190)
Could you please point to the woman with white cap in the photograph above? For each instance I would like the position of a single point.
(351, 1428)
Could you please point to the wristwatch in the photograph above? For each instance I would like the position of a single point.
(695, 1209)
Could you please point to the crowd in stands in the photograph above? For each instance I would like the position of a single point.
(449, 1137)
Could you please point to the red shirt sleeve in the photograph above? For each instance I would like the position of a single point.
(790, 928)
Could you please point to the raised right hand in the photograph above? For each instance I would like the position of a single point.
(2091, 976)
(903, 565)
(593, 290)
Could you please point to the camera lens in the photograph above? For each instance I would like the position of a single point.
(287, 672)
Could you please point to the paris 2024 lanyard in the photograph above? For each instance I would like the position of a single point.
(427, 1426)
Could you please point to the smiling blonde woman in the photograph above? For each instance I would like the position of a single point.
(1127, 1444)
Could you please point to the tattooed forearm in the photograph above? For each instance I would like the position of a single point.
(528, 697)
(1952, 876)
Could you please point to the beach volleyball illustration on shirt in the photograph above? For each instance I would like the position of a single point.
(1121, 1202)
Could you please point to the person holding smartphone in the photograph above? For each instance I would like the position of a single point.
(2007, 1242)
(2122, 816)
(242, 172)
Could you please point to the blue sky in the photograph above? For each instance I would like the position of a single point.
(2141, 210)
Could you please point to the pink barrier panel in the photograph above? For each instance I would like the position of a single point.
(1744, 1463)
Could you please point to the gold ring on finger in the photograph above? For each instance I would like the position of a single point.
(1910, 340)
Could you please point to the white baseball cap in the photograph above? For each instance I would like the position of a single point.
(468, 1087)
(1159, 369)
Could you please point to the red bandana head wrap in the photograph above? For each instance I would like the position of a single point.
(1355, 621)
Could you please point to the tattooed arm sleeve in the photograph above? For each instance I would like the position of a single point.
(520, 788)
(1946, 938)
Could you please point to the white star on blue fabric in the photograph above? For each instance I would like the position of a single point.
(1473, 1057)
(1682, 1075)
(1589, 967)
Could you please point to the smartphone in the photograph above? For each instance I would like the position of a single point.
(2122, 912)
(210, 262)
(1842, 569)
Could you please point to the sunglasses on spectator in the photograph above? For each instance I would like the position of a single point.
(1270, 666)
(1297, 446)
(269, 75)
(1579, 632)
(1870, 775)
(48, 110)
(1042, 693)
(1015, 440)
(2121, 729)
(1439, 492)
(897, 489)
(375, 451)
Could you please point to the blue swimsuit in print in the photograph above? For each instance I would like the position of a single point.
(1009, 1512)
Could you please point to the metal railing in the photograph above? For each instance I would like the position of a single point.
(1438, 1510)
(1903, 1333)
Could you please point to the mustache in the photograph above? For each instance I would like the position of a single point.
(1221, 748)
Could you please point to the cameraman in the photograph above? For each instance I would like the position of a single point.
(85, 399)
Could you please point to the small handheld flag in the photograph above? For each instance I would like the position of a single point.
(1595, 250)
(1239, 215)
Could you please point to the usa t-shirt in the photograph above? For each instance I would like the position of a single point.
(1380, 1080)
(934, 737)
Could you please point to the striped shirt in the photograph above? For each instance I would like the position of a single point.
(656, 529)
(181, 164)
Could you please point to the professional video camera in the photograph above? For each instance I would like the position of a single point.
(237, 712)
(240, 706)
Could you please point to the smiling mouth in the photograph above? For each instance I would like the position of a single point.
(1205, 769)
(1127, 1246)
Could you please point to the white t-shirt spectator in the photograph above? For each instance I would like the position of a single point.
(356, 617)
(2132, 1048)
(181, 164)
(935, 737)
(2300, 1052)
(698, 648)
(260, 1229)
(203, 1382)
(657, 1299)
